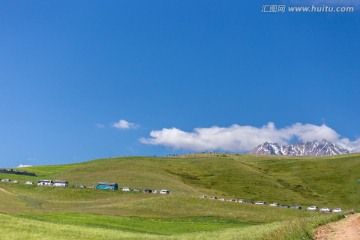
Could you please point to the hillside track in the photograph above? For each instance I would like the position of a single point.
(347, 228)
(7, 192)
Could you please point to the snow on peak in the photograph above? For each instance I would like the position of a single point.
(314, 148)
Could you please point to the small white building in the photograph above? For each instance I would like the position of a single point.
(45, 183)
(60, 183)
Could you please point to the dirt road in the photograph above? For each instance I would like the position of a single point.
(347, 228)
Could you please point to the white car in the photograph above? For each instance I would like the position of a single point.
(325, 209)
(222, 199)
(260, 203)
(126, 189)
(274, 204)
(337, 210)
(213, 197)
(164, 191)
(312, 208)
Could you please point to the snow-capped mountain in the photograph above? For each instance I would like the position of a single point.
(315, 148)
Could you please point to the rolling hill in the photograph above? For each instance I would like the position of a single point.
(322, 181)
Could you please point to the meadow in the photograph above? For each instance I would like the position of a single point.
(35, 212)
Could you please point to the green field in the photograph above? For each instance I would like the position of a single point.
(34, 212)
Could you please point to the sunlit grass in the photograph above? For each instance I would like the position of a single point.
(46, 212)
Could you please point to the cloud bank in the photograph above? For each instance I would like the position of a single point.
(123, 124)
(244, 138)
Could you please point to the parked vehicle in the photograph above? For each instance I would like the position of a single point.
(312, 208)
(222, 199)
(45, 183)
(337, 210)
(213, 197)
(296, 207)
(260, 203)
(147, 191)
(274, 205)
(284, 206)
(60, 183)
(126, 189)
(241, 200)
(203, 196)
(29, 183)
(325, 209)
(107, 186)
(164, 191)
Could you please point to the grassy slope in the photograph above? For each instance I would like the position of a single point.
(330, 181)
(18, 228)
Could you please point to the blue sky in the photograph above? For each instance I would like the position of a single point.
(182, 76)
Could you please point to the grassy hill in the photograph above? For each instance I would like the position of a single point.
(305, 181)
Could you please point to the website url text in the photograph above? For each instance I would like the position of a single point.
(305, 9)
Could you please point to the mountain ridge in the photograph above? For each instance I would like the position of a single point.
(313, 148)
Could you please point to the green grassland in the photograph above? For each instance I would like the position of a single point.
(34, 212)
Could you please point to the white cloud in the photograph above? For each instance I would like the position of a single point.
(243, 138)
(123, 124)
(23, 166)
(353, 146)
